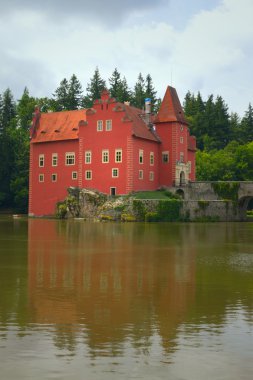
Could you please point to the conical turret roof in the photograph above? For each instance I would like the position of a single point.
(171, 109)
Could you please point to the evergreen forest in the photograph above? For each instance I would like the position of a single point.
(224, 139)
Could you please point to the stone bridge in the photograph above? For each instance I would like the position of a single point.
(227, 200)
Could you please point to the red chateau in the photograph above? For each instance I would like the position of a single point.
(112, 147)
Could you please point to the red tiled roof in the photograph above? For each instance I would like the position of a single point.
(56, 126)
(139, 127)
(170, 109)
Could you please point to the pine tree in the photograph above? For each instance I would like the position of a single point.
(125, 94)
(115, 84)
(8, 125)
(8, 109)
(25, 109)
(247, 125)
(94, 89)
(74, 93)
(235, 127)
(61, 96)
(150, 91)
(139, 92)
(188, 104)
(220, 131)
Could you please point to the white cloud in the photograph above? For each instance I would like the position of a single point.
(211, 53)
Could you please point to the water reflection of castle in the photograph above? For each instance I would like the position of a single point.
(115, 281)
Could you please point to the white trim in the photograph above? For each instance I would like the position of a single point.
(70, 156)
(105, 153)
(115, 169)
(120, 155)
(54, 159)
(87, 156)
(41, 161)
(99, 125)
(88, 177)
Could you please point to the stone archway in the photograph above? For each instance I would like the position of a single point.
(182, 178)
(243, 205)
(180, 192)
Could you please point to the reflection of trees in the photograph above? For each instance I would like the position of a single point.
(13, 273)
(121, 281)
(222, 264)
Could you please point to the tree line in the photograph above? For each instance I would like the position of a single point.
(224, 140)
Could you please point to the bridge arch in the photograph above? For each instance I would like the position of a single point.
(244, 204)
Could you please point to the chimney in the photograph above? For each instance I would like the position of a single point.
(147, 106)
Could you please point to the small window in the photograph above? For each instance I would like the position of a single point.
(140, 174)
(181, 140)
(88, 157)
(41, 177)
(105, 156)
(99, 125)
(108, 125)
(88, 174)
(118, 155)
(74, 175)
(54, 177)
(70, 158)
(54, 159)
(141, 156)
(151, 176)
(165, 157)
(152, 158)
(181, 156)
(115, 173)
(181, 128)
(41, 161)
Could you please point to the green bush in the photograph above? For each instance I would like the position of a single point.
(152, 217)
(61, 210)
(169, 211)
(128, 218)
(139, 209)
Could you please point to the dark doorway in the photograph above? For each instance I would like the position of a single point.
(182, 178)
(113, 191)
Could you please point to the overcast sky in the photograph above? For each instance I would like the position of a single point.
(195, 45)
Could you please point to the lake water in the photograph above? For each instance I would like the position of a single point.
(82, 300)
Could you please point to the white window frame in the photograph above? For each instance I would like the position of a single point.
(152, 158)
(181, 140)
(151, 176)
(108, 125)
(88, 175)
(181, 156)
(54, 177)
(41, 160)
(118, 155)
(99, 125)
(54, 159)
(70, 158)
(141, 175)
(41, 177)
(115, 172)
(88, 157)
(165, 154)
(105, 156)
(74, 175)
(141, 155)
